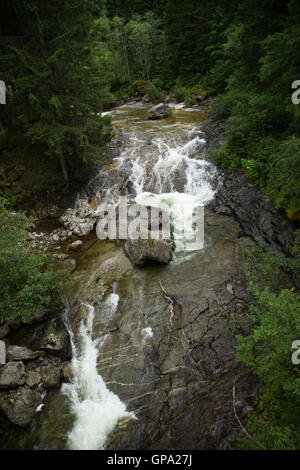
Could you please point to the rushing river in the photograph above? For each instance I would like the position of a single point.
(136, 374)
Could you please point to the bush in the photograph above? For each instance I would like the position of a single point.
(29, 282)
(275, 313)
(154, 92)
(284, 175)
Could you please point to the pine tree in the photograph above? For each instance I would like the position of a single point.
(55, 91)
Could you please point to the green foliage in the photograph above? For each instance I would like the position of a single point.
(155, 91)
(29, 282)
(284, 175)
(188, 92)
(56, 81)
(275, 314)
(263, 124)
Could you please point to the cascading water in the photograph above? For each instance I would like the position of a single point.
(155, 165)
(149, 358)
(96, 409)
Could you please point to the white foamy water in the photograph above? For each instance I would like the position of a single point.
(180, 207)
(168, 172)
(97, 410)
(198, 189)
(146, 334)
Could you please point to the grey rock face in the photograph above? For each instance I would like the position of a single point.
(80, 220)
(139, 251)
(12, 375)
(20, 405)
(159, 111)
(255, 212)
(19, 353)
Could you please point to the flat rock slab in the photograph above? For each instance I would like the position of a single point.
(12, 375)
(20, 353)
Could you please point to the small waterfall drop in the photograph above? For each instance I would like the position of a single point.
(97, 410)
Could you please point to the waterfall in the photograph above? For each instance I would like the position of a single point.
(97, 410)
(198, 190)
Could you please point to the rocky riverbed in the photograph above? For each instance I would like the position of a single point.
(153, 346)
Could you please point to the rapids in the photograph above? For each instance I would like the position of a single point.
(137, 378)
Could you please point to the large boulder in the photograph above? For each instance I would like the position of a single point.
(140, 250)
(159, 111)
(20, 353)
(20, 405)
(80, 220)
(12, 375)
(56, 339)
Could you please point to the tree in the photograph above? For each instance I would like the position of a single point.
(56, 91)
(267, 350)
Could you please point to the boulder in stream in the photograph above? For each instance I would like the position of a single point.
(140, 250)
(159, 111)
(20, 405)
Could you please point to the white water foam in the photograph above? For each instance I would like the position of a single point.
(146, 334)
(198, 189)
(97, 410)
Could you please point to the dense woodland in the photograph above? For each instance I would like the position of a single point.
(64, 62)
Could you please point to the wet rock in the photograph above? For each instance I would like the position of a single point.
(56, 339)
(50, 375)
(20, 353)
(139, 251)
(4, 331)
(33, 378)
(75, 246)
(68, 373)
(255, 212)
(159, 111)
(80, 220)
(12, 375)
(20, 405)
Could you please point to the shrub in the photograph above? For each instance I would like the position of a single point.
(29, 282)
(275, 312)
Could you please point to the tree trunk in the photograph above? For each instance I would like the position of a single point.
(64, 168)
